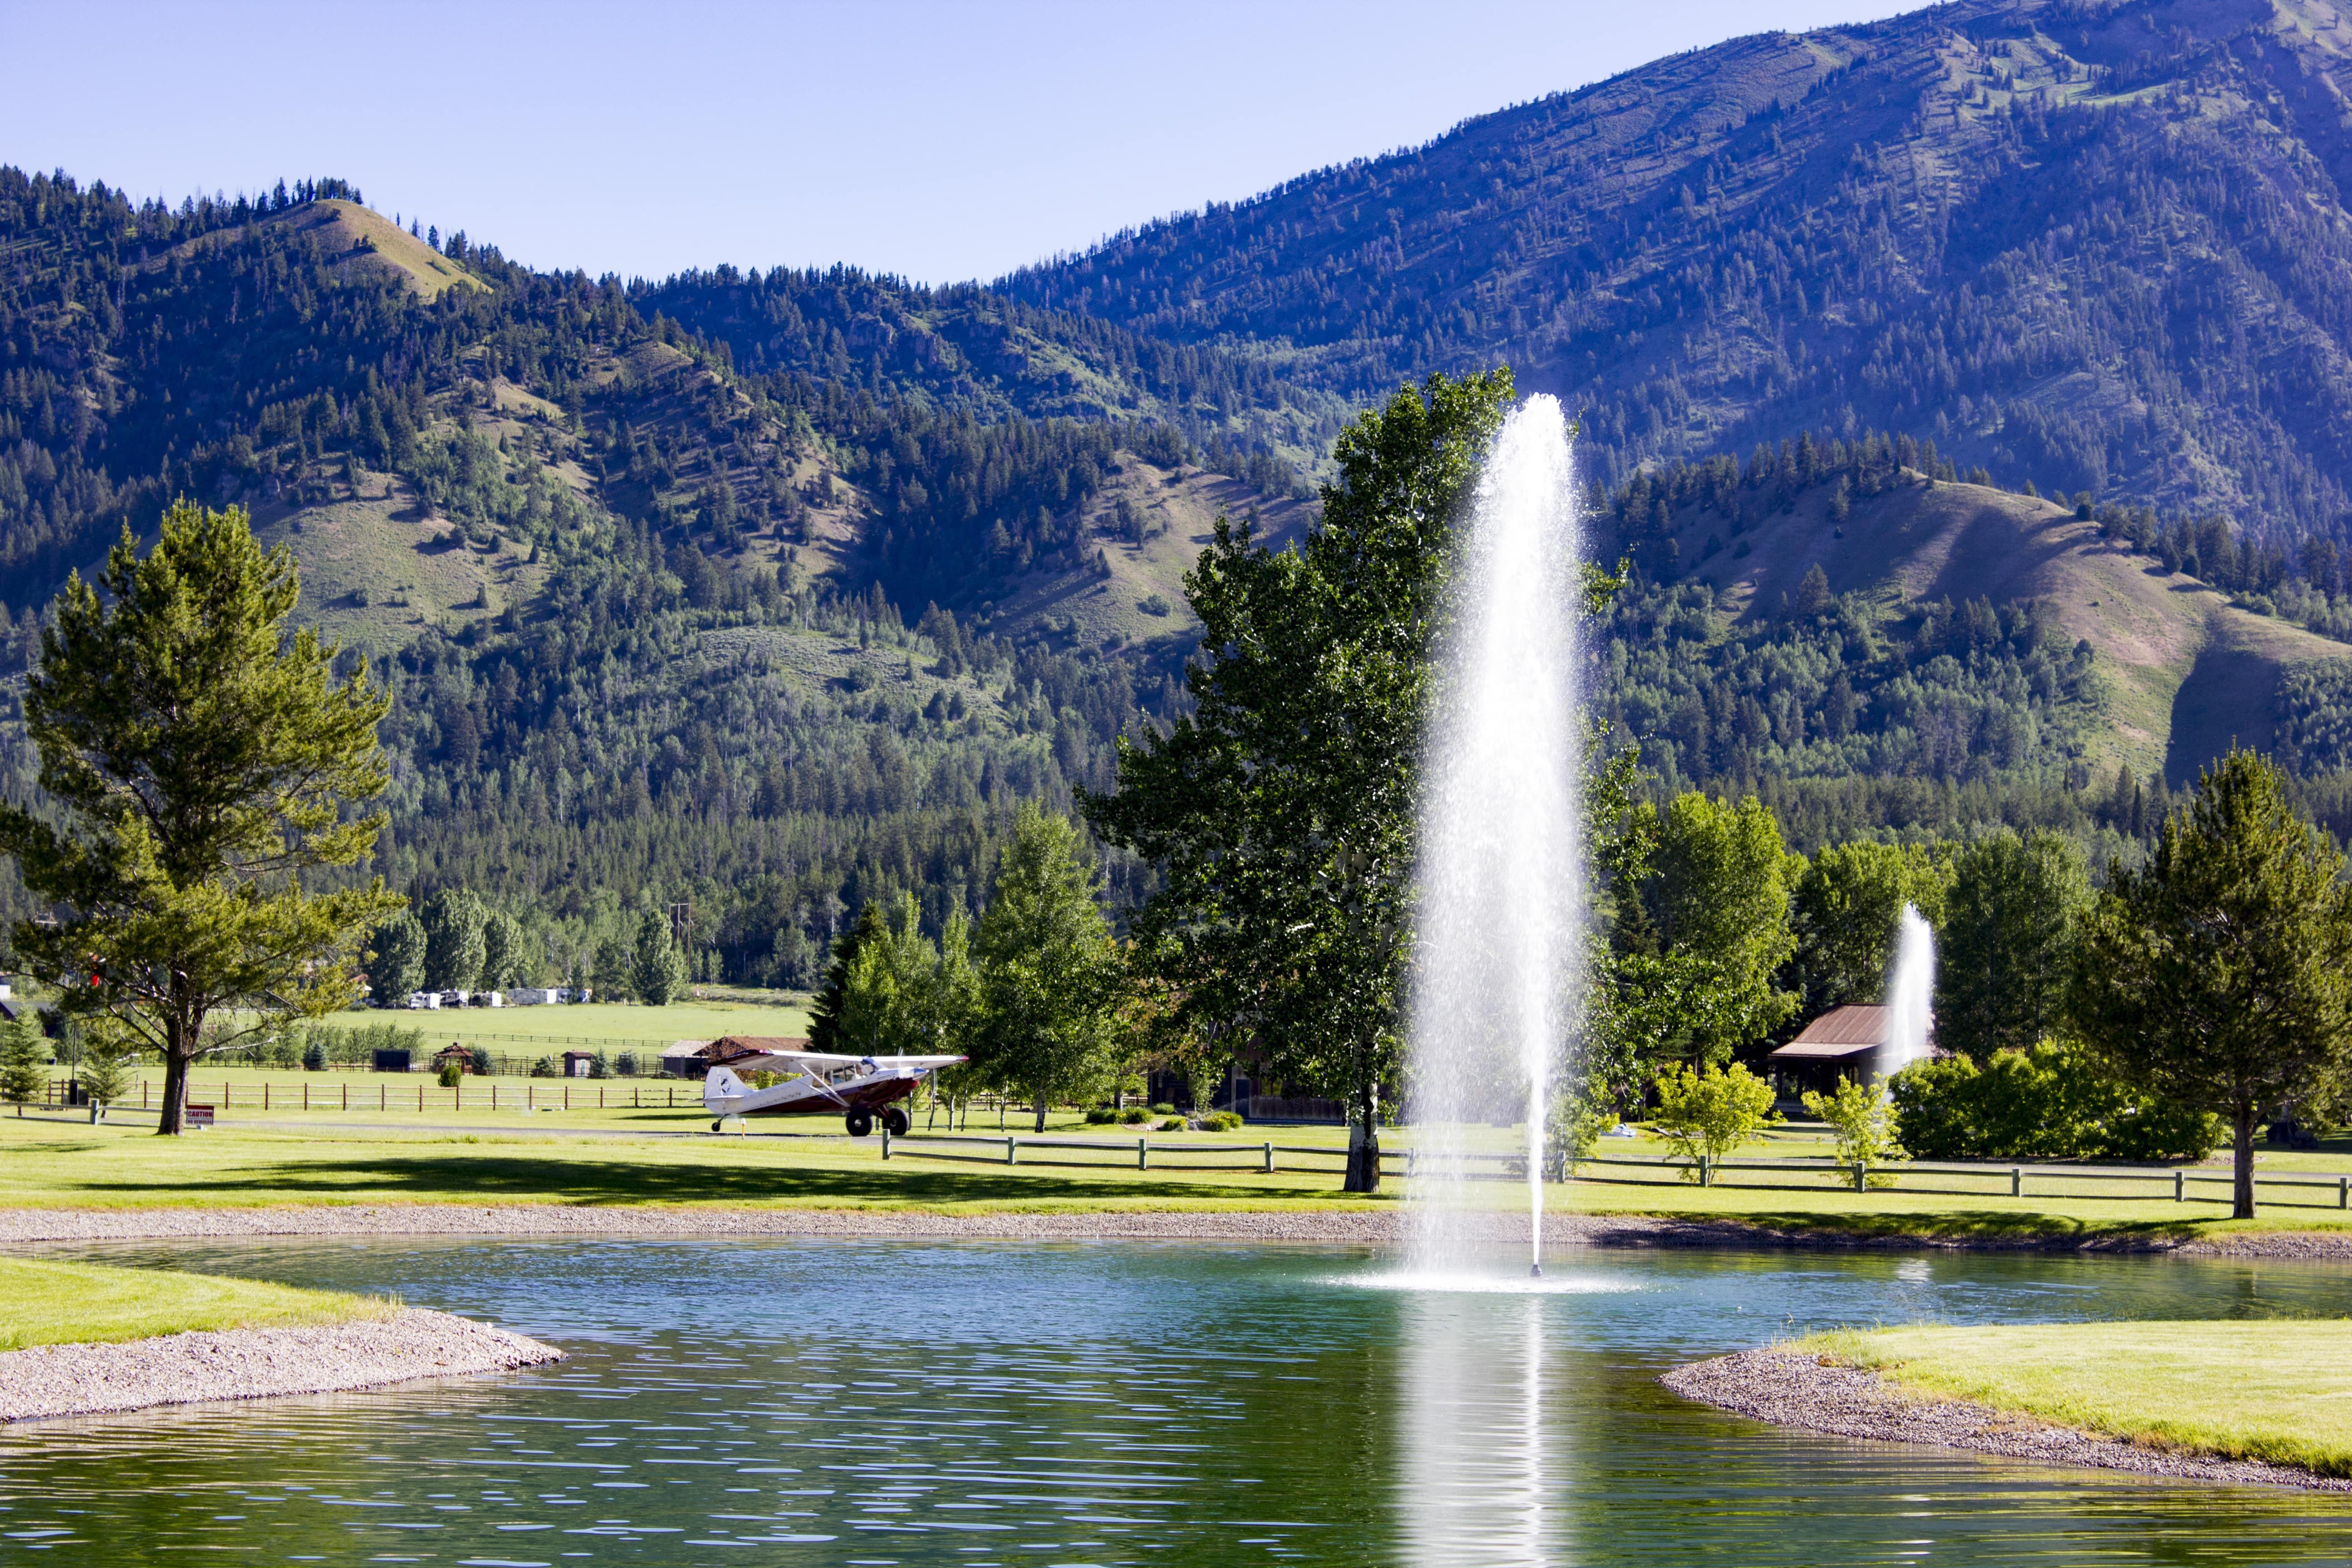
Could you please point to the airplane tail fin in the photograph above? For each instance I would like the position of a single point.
(720, 1085)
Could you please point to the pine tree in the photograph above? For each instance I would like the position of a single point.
(2218, 975)
(24, 1061)
(826, 1009)
(201, 757)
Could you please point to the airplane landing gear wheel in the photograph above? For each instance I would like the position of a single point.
(715, 1126)
(859, 1122)
(895, 1122)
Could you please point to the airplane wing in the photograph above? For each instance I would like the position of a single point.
(824, 1061)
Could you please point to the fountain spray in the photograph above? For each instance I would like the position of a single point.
(1501, 871)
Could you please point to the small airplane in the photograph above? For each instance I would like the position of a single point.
(818, 1082)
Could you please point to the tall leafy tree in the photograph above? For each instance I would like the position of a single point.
(656, 969)
(397, 965)
(1844, 911)
(502, 952)
(1719, 896)
(201, 756)
(453, 920)
(1280, 813)
(2005, 949)
(1049, 974)
(2218, 975)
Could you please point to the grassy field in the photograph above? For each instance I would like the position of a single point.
(49, 1303)
(621, 1155)
(2280, 1392)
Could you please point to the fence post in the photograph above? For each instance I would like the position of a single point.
(1142, 1149)
(1705, 1172)
(2181, 1186)
(886, 1139)
(306, 1094)
(265, 1094)
(1009, 1143)
(1858, 1183)
(2017, 1180)
(2344, 1192)
(1269, 1159)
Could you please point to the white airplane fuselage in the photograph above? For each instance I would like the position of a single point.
(856, 1088)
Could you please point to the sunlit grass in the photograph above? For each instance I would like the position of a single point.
(50, 1303)
(2274, 1389)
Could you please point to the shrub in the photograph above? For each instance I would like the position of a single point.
(1175, 1124)
(625, 1063)
(452, 1074)
(1863, 1122)
(1223, 1121)
(1710, 1113)
(1163, 1111)
(2053, 1103)
(314, 1056)
(1099, 1115)
(545, 1067)
(1134, 1116)
(1154, 604)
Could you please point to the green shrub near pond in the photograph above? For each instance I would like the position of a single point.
(2053, 1103)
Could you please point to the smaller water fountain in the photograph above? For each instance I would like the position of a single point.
(1910, 993)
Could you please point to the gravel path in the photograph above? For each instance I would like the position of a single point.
(255, 1363)
(1375, 1226)
(1798, 1391)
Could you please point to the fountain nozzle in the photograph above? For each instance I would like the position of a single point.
(1535, 1271)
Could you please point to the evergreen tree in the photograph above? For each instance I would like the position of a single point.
(2218, 975)
(201, 757)
(2005, 950)
(825, 1008)
(24, 1061)
(1048, 971)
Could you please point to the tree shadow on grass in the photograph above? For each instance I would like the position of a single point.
(520, 1177)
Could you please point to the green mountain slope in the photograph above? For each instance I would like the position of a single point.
(2103, 245)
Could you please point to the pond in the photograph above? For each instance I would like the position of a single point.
(873, 1403)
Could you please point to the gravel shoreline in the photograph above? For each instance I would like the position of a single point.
(1790, 1390)
(257, 1364)
(1374, 1226)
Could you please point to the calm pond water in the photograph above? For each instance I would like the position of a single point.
(909, 1403)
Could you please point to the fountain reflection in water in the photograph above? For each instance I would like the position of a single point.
(1910, 993)
(1478, 1472)
(1500, 878)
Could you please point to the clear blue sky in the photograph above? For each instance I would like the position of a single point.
(938, 140)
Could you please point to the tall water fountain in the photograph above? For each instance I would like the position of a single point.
(1501, 876)
(1910, 993)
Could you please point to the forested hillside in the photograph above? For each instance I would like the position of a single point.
(1963, 389)
(2102, 245)
(655, 626)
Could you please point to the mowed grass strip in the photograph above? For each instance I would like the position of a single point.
(54, 1303)
(2278, 1390)
(2275, 1389)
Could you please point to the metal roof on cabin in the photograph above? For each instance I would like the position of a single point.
(1840, 1032)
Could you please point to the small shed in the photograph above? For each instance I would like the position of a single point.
(578, 1064)
(453, 1052)
(1844, 1042)
(683, 1058)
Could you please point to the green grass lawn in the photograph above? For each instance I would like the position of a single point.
(2276, 1391)
(51, 1303)
(623, 1156)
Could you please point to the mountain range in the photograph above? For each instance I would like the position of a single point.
(1965, 390)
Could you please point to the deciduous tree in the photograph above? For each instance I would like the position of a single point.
(2005, 948)
(1049, 974)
